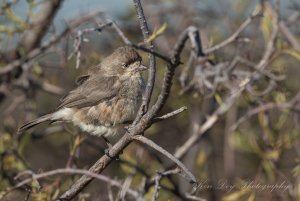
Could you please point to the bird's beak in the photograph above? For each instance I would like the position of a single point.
(142, 68)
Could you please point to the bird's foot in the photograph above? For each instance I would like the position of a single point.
(128, 128)
(109, 146)
(106, 151)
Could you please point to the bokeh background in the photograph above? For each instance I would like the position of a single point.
(262, 150)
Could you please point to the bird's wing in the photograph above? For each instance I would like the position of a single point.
(92, 70)
(92, 91)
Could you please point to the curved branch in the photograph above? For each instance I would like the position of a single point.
(74, 171)
(32, 37)
(235, 35)
(189, 176)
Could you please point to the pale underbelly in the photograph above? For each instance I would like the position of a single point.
(91, 124)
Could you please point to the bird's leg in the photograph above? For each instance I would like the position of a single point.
(127, 128)
(109, 145)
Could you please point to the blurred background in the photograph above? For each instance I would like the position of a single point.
(247, 145)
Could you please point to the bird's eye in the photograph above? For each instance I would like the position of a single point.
(124, 65)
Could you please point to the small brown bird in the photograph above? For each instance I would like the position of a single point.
(107, 98)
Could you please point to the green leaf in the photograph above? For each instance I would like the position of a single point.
(157, 33)
(251, 197)
(236, 195)
(266, 23)
(293, 53)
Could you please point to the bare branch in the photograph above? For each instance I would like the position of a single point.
(189, 176)
(74, 171)
(235, 94)
(125, 187)
(171, 114)
(80, 38)
(139, 47)
(211, 120)
(17, 64)
(98, 167)
(264, 107)
(157, 179)
(152, 63)
(33, 36)
(192, 197)
(169, 73)
(291, 38)
(235, 35)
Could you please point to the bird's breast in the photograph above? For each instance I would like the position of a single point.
(109, 118)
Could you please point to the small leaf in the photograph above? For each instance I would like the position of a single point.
(2, 194)
(35, 185)
(14, 18)
(6, 142)
(157, 33)
(240, 142)
(201, 158)
(235, 195)
(251, 197)
(296, 171)
(56, 194)
(269, 168)
(292, 53)
(266, 23)
(280, 97)
(272, 155)
(218, 99)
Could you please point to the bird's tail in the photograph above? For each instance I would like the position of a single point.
(33, 123)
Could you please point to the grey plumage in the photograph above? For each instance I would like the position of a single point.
(35, 122)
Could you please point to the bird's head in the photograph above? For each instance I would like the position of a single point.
(123, 62)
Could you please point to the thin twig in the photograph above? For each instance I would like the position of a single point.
(158, 178)
(192, 197)
(189, 176)
(45, 46)
(229, 102)
(234, 36)
(109, 192)
(80, 38)
(171, 114)
(156, 187)
(73, 171)
(184, 73)
(98, 167)
(152, 63)
(39, 26)
(139, 47)
(211, 120)
(264, 107)
(125, 187)
(271, 76)
(290, 37)
(169, 73)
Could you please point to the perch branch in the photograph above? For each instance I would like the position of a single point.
(152, 63)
